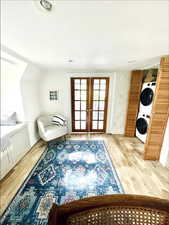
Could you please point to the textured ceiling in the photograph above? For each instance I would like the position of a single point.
(96, 35)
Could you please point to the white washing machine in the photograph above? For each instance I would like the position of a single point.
(146, 97)
(142, 124)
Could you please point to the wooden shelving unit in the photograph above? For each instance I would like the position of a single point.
(160, 113)
(133, 102)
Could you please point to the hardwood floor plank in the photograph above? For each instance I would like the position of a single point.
(137, 176)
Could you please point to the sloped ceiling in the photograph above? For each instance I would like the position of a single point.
(96, 35)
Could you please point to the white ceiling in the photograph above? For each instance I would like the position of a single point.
(97, 35)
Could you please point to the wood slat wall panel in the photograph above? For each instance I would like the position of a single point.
(161, 99)
(160, 113)
(164, 64)
(133, 102)
(155, 136)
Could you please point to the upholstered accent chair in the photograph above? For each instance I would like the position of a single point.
(120, 209)
(49, 130)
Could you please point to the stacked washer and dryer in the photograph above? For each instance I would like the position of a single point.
(146, 102)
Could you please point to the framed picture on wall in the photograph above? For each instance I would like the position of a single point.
(53, 95)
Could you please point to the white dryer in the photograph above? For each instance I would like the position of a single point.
(146, 97)
(142, 124)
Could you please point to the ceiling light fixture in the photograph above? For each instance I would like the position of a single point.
(46, 5)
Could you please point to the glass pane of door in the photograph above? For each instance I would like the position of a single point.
(80, 90)
(89, 104)
(99, 104)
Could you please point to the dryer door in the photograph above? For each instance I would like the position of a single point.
(142, 126)
(146, 97)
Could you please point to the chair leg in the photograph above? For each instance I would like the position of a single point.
(65, 137)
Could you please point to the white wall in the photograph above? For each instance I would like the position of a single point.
(164, 156)
(118, 96)
(20, 90)
(119, 101)
(30, 86)
(11, 101)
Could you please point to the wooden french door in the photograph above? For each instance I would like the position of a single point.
(89, 104)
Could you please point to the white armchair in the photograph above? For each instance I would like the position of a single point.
(49, 131)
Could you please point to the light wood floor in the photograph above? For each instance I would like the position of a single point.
(136, 175)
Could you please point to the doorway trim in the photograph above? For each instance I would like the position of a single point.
(89, 110)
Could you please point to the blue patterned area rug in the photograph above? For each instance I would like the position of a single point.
(66, 171)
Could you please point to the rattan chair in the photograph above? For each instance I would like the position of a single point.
(112, 210)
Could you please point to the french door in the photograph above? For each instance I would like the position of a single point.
(89, 104)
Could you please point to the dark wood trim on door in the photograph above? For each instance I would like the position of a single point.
(105, 105)
(89, 104)
(73, 104)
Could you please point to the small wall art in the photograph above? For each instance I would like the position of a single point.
(53, 95)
